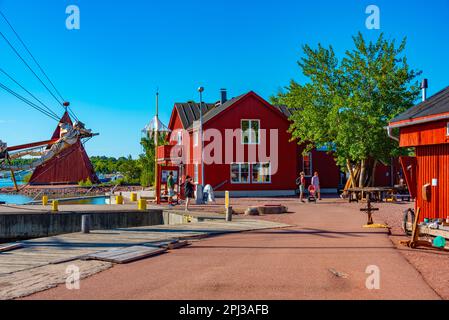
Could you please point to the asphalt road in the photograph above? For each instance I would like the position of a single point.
(325, 255)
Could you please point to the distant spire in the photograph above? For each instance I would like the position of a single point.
(157, 102)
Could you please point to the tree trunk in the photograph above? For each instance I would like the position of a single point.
(362, 178)
(351, 174)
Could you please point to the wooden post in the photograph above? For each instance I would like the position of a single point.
(13, 176)
(85, 223)
(228, 214)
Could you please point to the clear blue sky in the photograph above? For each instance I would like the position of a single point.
(111, 67)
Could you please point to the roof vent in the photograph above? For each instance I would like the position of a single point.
(424, 87)
(223, 96)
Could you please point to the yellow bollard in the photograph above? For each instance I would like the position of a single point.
(44, 200)
(55, 206)
(119, 199)
(142, 204)
(133, 197)
(227, 199)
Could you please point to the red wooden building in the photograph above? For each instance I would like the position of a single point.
(251, 160)
(425, 128)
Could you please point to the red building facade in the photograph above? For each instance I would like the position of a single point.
(425, 128)
(247, 148)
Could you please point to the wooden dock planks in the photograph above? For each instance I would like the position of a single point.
(126, 255)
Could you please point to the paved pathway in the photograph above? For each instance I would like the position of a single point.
(42, 263)
(325, 256)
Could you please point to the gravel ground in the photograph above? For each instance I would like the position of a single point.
(432, 264)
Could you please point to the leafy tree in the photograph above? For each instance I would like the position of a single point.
(147, 159)
(347, 104)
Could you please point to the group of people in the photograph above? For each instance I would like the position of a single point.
(189, 188)
(314, 186)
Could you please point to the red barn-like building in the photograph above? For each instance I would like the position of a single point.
(425, 127)
(243, 124)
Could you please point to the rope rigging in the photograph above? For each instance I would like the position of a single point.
(31, 104)
(32, 95)
(32, 56)
(61, 101)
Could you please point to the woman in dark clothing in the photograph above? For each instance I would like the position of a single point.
(188, 191)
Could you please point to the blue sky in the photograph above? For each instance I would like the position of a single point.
(110, 68)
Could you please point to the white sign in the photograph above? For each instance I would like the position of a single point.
(434, 182)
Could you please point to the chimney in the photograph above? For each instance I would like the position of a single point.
(424, 87)
(223, 96)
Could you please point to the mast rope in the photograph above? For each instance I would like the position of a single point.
(33, 105)
(32, 56)
(27, 91)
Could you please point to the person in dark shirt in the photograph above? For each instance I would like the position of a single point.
(188, 191)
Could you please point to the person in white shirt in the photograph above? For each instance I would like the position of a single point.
(316, 184)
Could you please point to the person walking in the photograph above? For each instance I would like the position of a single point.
(188, 191)
(302, 186)
(316, 184)
(171, 188)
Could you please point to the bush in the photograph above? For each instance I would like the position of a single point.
(86, 183)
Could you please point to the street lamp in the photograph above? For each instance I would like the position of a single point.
(201, 90)
(199, 198)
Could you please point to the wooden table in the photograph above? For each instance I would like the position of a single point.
(376, 194)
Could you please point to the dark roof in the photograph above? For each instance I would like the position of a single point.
(284, 110)
(437, 104)
(189, 112)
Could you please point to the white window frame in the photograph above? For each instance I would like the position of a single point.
(240, 173)
(195, 138)
(311, 165)
(179, 137)
(269, 174)
(249, 129)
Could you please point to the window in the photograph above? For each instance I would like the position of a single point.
(195, 139)
(195, 172)
(307, 164)
(447, 129)
(250, 131)
(261, 173)
(239, 173)
(179, 138)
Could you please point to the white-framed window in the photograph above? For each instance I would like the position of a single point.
(447, 129)
(195, 138)
(250, 131)
(261, 172)
(240, 173)
(195, 172)
(307, 166)
(179, 137)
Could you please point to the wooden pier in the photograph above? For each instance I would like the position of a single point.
(41, 263)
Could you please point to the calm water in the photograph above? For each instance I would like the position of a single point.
(20, 199)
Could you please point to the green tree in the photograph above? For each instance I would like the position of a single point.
(146, 159)
(347, 104)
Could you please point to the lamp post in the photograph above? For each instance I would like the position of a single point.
(199, 191)
(201, 90)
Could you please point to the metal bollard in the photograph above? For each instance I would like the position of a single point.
(226, 199)
(85, 223)
(133, 196)
(119, 199)
(55, 206)
(44, 200)
(142, 204)
(228, 214)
